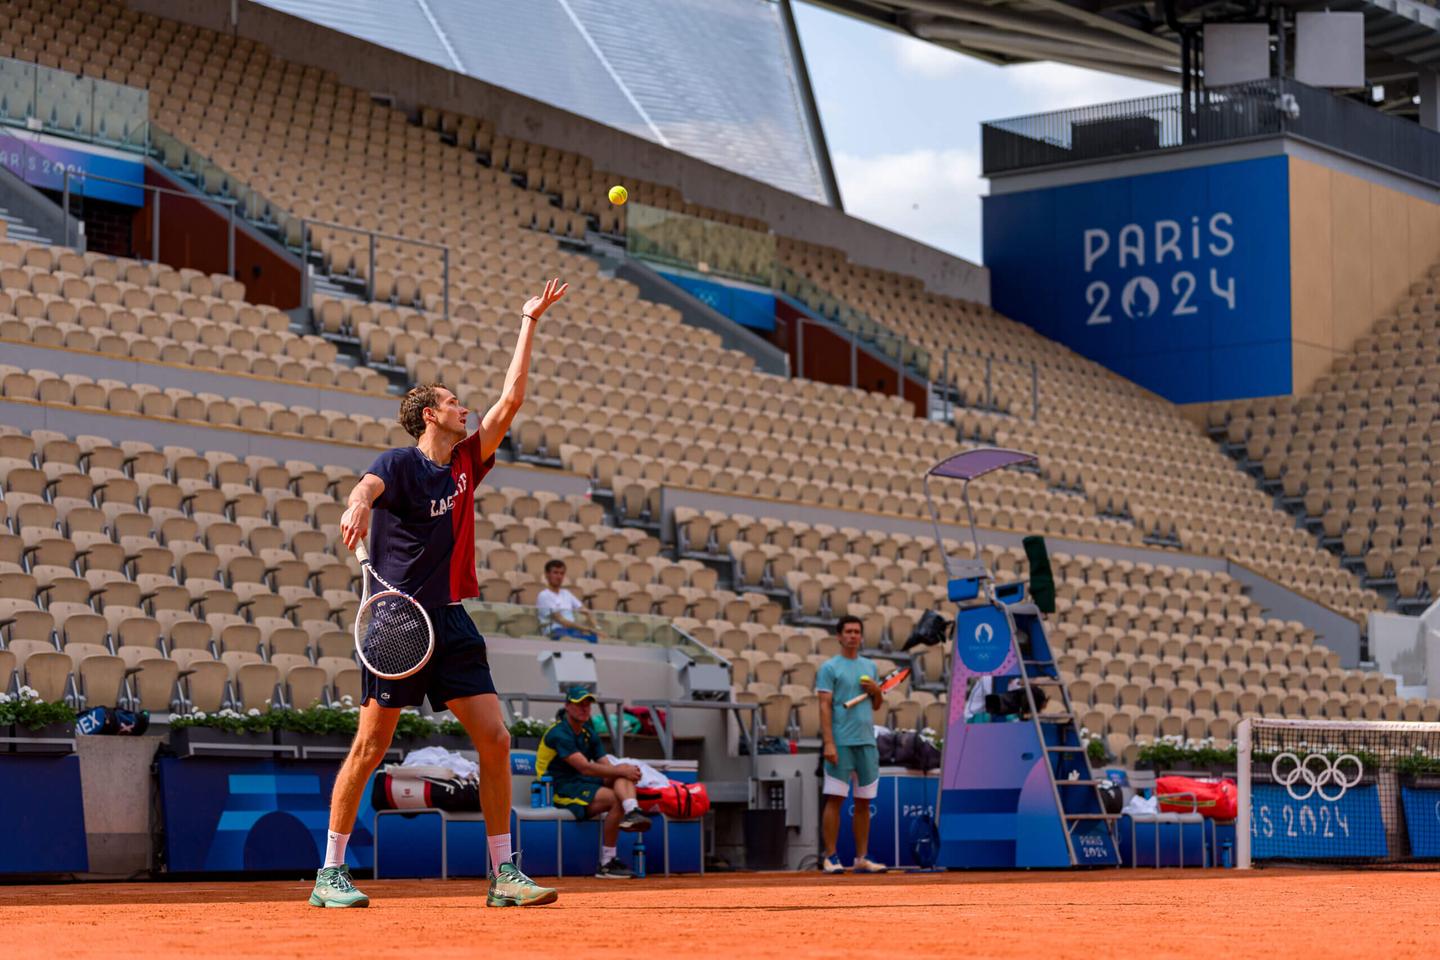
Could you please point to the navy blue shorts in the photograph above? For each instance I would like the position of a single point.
(459, 667)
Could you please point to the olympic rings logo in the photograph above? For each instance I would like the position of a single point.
(1315, 773)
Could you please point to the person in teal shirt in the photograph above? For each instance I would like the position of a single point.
(849, 736)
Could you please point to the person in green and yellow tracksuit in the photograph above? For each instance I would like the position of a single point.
(584, 784)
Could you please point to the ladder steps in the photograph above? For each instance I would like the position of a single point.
(1065, 749)
(1093, 816)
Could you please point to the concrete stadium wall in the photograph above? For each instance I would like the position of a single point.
(74, 421)
(415, 83)
(1356, 245)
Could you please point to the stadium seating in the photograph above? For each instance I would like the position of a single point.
(1353, 454)
(200, 557)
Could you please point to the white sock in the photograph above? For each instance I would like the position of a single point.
(606, 854)
(335, 849)
(628, 805)
(499, 850)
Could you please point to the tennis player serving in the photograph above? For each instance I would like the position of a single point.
(417, 505)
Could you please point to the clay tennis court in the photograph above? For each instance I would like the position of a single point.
(1280, 913)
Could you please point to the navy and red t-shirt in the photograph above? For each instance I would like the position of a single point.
(422, 533)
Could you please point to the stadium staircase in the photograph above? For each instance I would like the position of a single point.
(13, 227)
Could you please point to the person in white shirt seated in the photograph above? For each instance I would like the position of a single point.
(562, 615)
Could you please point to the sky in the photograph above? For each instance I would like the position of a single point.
(902, 119)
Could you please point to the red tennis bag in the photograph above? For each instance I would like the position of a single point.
(676, 800)
(1216, 799)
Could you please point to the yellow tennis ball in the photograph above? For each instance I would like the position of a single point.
(864, 677)
(619, 195)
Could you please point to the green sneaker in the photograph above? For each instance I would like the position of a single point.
(511, 888)
(334, 888)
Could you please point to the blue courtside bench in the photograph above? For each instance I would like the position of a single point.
(548, 842)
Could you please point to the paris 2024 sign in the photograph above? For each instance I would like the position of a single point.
(1179, 280)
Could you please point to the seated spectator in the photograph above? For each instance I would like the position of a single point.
(570, 754)
(561, 612)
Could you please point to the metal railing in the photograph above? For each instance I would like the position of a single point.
(70, 105)
(295, 230)
(81, 177)
(857, 323)
(705, 246)
(1248, 111)
(947, 389)
(616, 626)
(305, 225)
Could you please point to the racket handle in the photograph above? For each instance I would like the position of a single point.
(362, 554)
(854, 700)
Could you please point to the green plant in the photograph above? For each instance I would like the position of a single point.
(528, 727)
(1418, 764)
(26, 709)
(1172, 752)
(231, 721)
(412, 724)
(337, 717)
(452, 728)
(1096, 750)
(931, 736)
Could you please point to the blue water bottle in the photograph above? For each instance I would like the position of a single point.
(639, 851)
(537, 793)
(1226, 860)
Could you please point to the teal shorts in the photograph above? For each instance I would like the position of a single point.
(576, 795)
(860, 762)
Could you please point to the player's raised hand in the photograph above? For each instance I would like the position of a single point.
(554, 290)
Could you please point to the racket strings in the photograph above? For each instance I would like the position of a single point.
(394, 635)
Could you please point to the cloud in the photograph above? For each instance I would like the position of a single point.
(1059, 86)
(927, 59)
(930, 195)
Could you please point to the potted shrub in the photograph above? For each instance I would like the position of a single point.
(414, 730)
(190, 732)
(1419, 771)
(331, 726)
(26, 716)
(1095, 749)
(525, 732)
(452, 736)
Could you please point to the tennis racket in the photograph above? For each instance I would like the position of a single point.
(393, 635)
(892, 681)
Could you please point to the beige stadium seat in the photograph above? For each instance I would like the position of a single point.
(49, 673)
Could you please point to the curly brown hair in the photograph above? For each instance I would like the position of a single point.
(412, 408)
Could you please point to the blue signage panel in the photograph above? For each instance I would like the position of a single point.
(1179, 281)
(1283, 827)
(44, 815)
(751, 308)
(1422, 820)
(225, 814)
(42, 163)
(982, 639)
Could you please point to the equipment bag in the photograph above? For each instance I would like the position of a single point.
(111, 721)
(1215, 799)
(676, 800)
(393, 791)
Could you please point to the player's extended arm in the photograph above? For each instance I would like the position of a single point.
(496, 422)
(355, 523)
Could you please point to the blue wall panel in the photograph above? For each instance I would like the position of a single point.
(1179, 281)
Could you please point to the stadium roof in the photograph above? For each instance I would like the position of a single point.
(721, 80)
(1139, 37)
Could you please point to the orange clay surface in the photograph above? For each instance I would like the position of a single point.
(1144, 915)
